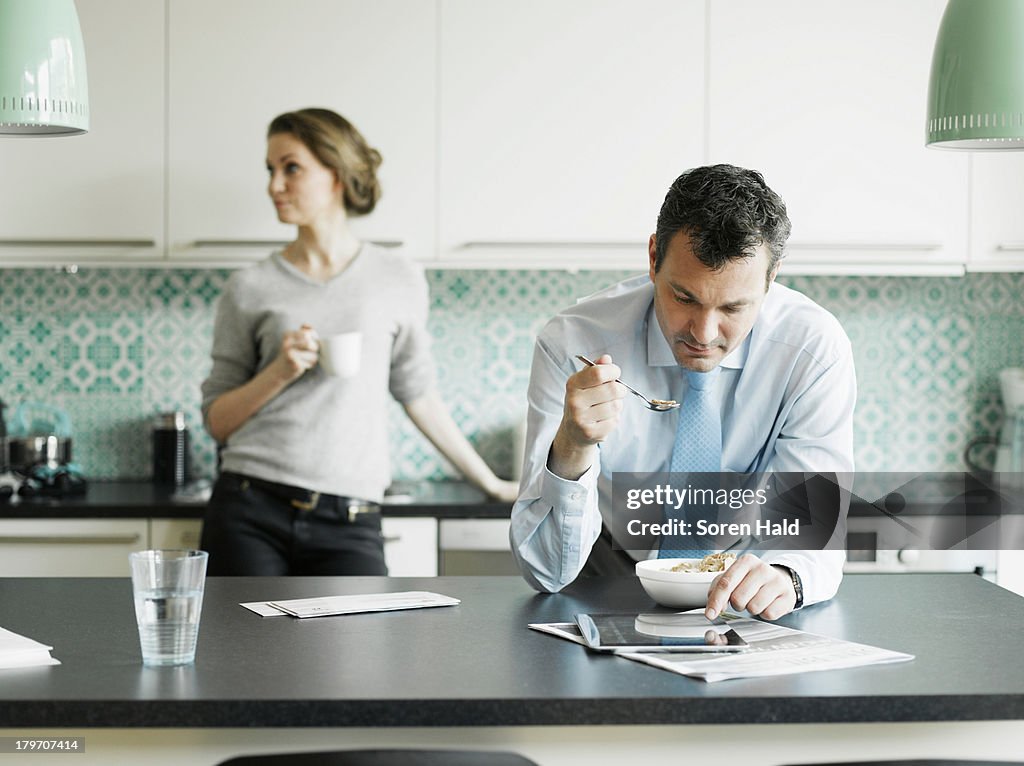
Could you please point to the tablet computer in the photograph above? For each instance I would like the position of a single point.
(654, 632)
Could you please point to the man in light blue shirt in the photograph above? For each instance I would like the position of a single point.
(786, 390)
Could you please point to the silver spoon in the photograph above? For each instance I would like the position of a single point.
(658, 405)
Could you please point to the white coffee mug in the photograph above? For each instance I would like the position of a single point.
(340, 355)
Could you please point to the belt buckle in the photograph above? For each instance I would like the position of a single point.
(307, 505)
(355, 510)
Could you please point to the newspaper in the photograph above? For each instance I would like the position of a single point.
(774, 651)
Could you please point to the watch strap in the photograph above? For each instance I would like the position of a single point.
(798, 585)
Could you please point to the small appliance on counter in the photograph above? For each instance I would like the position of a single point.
(8, 484)
(170, 449)
(1008, 466)
(1010, 455)
(65, 480)
(38, 452)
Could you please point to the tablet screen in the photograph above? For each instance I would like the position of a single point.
(658, 632)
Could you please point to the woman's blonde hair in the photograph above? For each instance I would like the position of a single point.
(336, 143)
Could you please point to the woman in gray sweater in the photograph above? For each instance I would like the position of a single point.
(304, 454)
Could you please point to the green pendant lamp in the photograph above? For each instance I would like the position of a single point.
(976, 88)
(43, 88)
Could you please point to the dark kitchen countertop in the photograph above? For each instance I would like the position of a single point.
(477, 664)
(143, 499)
(900, 494)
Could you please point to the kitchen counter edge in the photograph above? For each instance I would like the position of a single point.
(143, 499)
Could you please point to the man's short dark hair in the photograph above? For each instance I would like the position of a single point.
(727, 212)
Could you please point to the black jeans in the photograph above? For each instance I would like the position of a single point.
(252, 527)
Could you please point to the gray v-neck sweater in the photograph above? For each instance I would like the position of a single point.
(323, 433)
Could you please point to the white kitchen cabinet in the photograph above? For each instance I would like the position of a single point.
(827, 99)
(175, 533)
(236, 64)
(69, 547)
(410, 546)
(98, 196)
(997, 227)
(562, 126)
(476, 547)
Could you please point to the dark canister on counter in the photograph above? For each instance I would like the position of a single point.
(170, 449)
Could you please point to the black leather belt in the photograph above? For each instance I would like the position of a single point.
(306, 499)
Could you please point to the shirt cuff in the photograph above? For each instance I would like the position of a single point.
(567, 496)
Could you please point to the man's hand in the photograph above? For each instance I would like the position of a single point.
(593, 401)
(752, 584)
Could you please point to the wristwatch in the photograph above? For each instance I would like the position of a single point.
(798, 585)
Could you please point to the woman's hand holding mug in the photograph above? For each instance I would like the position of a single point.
(299, 352)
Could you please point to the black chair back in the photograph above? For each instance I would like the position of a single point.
(384, 758)
(918, 762)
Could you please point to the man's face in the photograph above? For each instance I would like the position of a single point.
(705, 314)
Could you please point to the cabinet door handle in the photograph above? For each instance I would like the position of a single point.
(78, 243)
(909, 247)
(245, 243)
(1010, 247)
(392, 538)
(550, 245)
(70, 539)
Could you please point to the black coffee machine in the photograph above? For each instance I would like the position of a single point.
(6, 489)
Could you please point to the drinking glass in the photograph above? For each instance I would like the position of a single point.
(168, 589)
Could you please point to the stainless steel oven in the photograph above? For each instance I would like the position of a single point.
(866, 552)
(927, 523)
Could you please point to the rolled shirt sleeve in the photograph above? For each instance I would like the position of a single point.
(555, 521)
(818, 437)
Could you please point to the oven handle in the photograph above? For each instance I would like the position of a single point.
(70, 539)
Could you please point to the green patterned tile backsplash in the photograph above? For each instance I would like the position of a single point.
(115, 347)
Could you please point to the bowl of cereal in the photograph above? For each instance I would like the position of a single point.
(682, 583)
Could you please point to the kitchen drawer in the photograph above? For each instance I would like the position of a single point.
(69, 547)
(410, 546)
(175, 533)
(475, 534)
(476, 547)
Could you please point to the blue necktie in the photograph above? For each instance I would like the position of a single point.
(697, 449)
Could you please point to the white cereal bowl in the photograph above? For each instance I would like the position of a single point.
(677, 590)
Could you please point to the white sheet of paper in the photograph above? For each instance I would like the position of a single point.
(21, 652)
(351, 604)
(263, 609)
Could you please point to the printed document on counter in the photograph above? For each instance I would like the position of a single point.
(21, 652)
(352, 604)
(774, 651)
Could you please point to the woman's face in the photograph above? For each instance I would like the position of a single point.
(302, 189)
